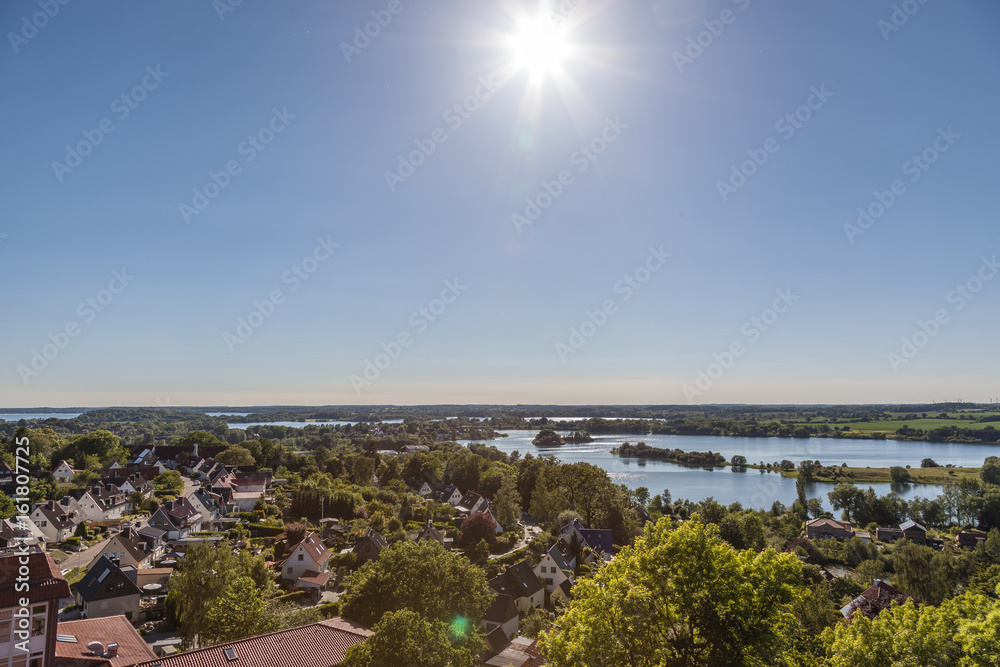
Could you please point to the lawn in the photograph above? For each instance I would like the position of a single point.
(939, 475)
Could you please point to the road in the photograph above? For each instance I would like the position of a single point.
(83, 558)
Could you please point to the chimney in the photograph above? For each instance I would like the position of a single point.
(113, 650)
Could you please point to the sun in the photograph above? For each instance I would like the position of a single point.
(540, 48)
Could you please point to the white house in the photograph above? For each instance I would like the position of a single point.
(55, 521)
(64, 473)
(177, 517)
(555, 567)
(308, 564)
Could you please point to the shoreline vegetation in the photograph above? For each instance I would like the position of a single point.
(641, 450)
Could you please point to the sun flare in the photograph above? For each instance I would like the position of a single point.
(540, 48)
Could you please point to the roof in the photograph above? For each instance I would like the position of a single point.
(910, 525)
(557, 554)
(54, 513)
(134, 545)
(132, 648)
(372, 535)
(598, 538)
(314, 546)
(497, 640)
(827, 521)
(876, 598)
(521, 652)
(320, 644)
(518, 581)
(314, 578)
(44, 579)
(429, 532)
(501, 610)
(99, 576)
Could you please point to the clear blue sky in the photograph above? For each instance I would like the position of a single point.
(681, 126)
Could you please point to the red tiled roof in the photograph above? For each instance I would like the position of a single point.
(320, 644)
(313, 577)
(112, 629)
(314, 547)
(44, 579)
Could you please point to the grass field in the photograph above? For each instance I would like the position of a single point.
(892, 425)
(918, 475)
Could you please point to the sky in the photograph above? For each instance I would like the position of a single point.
(585, 202)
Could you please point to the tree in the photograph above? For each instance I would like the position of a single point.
(422, 577)
(6, 506)
(929, 463)
(239, 612)
(405, 639)
(680, 597)
(168, 483)
(899, 475)
(236, 455)
(295, 533)
(928, 575)
(990, 472)
(642, 496)
(507, 503)
(480, 526)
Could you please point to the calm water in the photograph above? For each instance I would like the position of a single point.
(39, 415)
(304, 424)
(751, 488)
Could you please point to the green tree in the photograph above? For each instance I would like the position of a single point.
(422, 577)
(168, 483)
(899, 475)
(928, 575)
(680, 597)
(404, 638)
(236, 455)
(990, 472)
(6, 506)
(239, 612)
(507, 503)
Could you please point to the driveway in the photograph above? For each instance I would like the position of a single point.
(190, 486)
(83, 558)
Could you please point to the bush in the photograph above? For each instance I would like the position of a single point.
(75, 541)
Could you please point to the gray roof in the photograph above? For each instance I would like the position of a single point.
(95, 584)
(907, 525)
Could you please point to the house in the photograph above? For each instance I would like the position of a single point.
(825, 528)
(129, 549)
(45, 588)
(520, 582)
(554, 566)
(20, 530)
(914, 532)
(449, 494)
(429, 532)
(7, 484)
(55, 521)
(971, 538)
(108, 590)
(471, 503)
(126, 485)
(502, 614)
(562, 594)
(120, 644)
(310, 559)
(111, 502)
(369, 546)
(423, 488)
(323, 643)
(178, 517)
(64, 473)
(206, 503)
(596, 538)
(888, 534)
(873, 601)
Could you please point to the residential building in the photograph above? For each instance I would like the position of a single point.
(914, 532)
(517, 652)
(598, 539)
(879, 597)
(449, 494)
(369, 546)
(825, 528)
(178, 517)
(320, 644)
(20, 530)
(502, 614)
(554, 566)
(429, 532)
(108, 590)
(55, 521)
(45, 588)
(520, 582)
(129, 548)
(471, 503)
(206, 503)
(971, 538)
(120, 644)
(64, 473)
(308, 564)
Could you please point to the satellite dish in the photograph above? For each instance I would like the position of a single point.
(96, 647)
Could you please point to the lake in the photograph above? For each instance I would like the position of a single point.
(12, 417)
(752, 488)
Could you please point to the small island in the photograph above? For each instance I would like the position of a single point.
(641, 450)
(549, 438)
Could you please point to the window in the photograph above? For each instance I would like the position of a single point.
(37, 626)
(4, 632)
(301, 557)
(289, 570)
